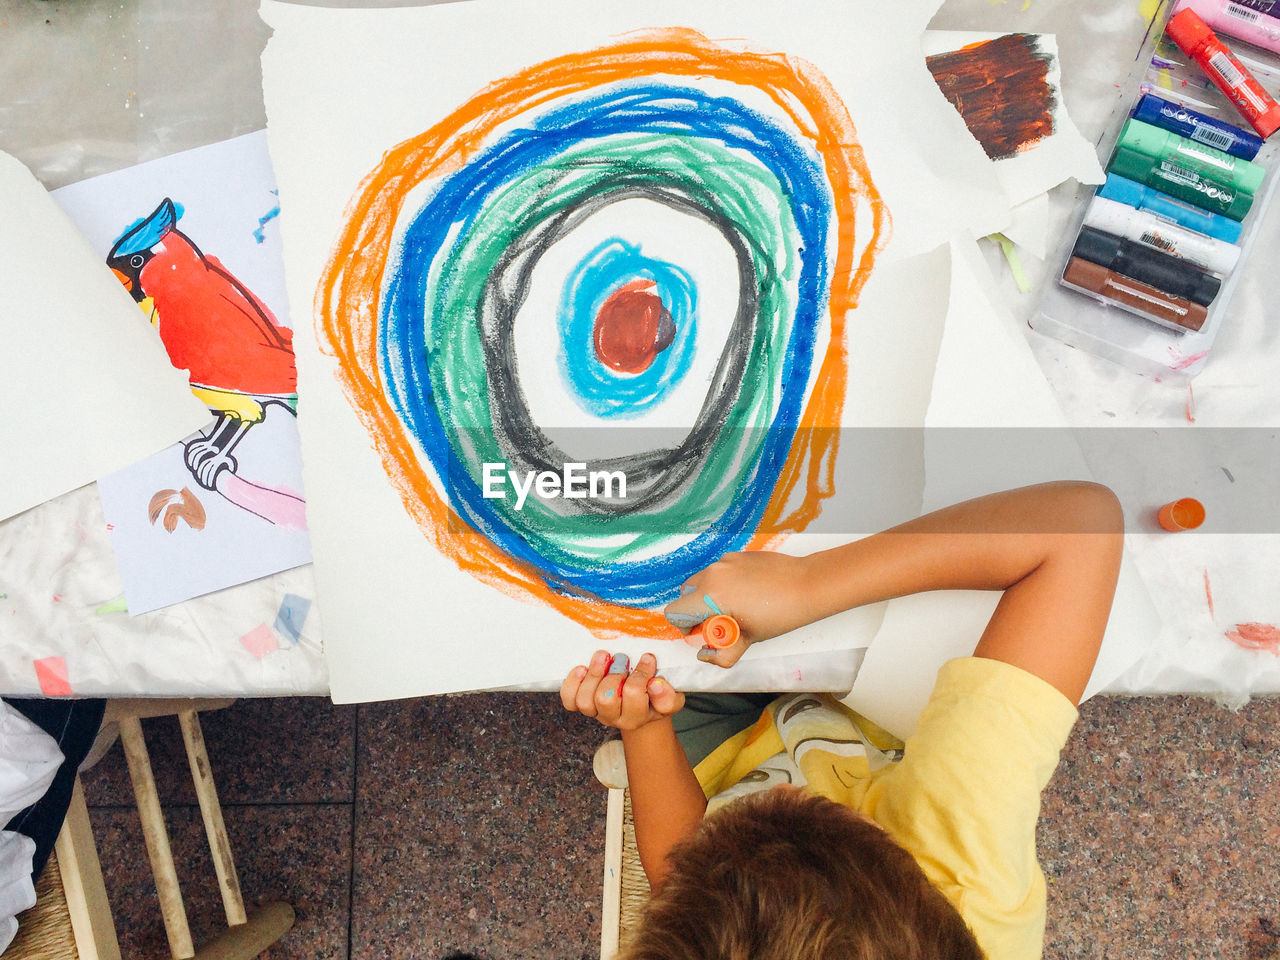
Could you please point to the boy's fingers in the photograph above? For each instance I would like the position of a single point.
(664, 698)
(635, 696)
(688, 610)
(609, 698)
(725, 656)
(646, 667)
(609, 690)
(569, 689)
(585, 696)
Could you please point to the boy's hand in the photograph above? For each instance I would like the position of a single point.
(625, 701)
(762, 590)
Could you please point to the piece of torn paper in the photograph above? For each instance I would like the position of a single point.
(1008, 89)
(85, 386)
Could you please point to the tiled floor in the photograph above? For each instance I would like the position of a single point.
(472, 825)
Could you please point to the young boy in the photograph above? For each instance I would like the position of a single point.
(929, 856)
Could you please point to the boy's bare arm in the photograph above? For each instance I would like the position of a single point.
(667, 802)
(1054, 549)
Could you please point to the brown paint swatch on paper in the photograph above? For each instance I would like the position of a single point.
(176, 506)
(1001, 89)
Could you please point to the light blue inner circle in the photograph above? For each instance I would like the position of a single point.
(598, 389)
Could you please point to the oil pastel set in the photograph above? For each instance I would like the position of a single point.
(1157, 248)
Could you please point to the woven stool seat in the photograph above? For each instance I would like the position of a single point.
(44, 931)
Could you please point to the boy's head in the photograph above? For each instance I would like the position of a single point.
(782, 875)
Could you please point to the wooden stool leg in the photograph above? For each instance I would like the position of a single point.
(611, 901)
(211, 811)
(91, 922)
(157, 838)
(247, 935)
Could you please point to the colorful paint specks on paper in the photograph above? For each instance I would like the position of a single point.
(1256, 636)
(292, 616)
(424, 288)
(260, 641)
(51, 672)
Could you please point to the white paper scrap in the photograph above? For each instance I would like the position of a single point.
(1033, 166)
(85, 385)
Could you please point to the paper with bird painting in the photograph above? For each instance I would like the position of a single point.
(194, 239)
(556, 247)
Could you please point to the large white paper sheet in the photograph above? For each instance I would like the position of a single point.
(214, 279)
(986, 379)
(84, 386)
(401, 617)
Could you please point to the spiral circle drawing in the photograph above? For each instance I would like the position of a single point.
(430, 287)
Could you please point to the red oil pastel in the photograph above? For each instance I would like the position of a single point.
(1201, 44)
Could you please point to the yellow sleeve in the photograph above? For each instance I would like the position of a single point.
(966, 797)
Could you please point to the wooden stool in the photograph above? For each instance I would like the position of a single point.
(626, 888)
(84, 904)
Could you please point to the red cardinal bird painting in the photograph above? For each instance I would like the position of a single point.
(238, 356)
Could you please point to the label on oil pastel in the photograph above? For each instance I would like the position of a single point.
(1239, 89)
(1223, 161)
(1153, 239)
(1218, 139)
(1186, 244)
(1227, 70)
(1269, 7)
(1244, 14)
(1150, 298)
(1191, 178)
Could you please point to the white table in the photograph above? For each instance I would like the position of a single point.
(90, 89)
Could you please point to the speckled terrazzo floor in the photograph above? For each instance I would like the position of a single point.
(473, 825)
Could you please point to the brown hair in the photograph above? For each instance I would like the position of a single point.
(782, 875)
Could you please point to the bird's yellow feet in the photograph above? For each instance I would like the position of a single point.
(237, 406)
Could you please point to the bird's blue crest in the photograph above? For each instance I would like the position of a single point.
(147, 232)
